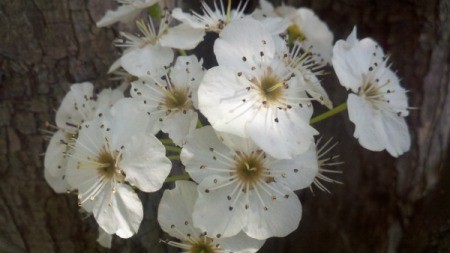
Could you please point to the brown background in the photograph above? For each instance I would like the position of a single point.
(384, 205)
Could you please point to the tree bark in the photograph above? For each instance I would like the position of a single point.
(384, 204)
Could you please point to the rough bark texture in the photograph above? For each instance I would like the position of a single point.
(384, 204)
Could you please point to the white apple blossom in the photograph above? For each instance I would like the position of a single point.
(255, 93)
(149, 52)
(171, 100)
(175, 217)
(306, 27)
(242, 188)
(379, 104)
(77, 107)
(126, 12)
(112, 153)
(214, 20)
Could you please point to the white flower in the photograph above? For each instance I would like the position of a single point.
(171, 100)
(77, 107)
(305, 27)
(379, 104)
(128, 11)
(211, 20)
(113, 153)
(151, 51)
(254, 92)
(175, 217)
(242, 188)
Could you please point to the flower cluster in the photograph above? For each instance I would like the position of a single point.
(242, 129)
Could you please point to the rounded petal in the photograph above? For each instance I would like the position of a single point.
(186, 18)
(199, 152)
(398, 140)
(175, 209)
(182, 36)
(127, 119)
(284, 136)
(179, 125)
(124, 13)
(212, 212)
(76, 107)
(367, 123)
(241, 44)
(137, 63)
(118, 210)
(144, 162)
(224, 107)
(280, 217)
(298, 172)
(240, 243)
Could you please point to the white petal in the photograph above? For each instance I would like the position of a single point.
(144, 162)
(55, 158)
(275, 25)
(299, 172)
(398, 140)
(176, 207)
(316, 32)
(199, 152)
(57, 183)
(128, 119)
(367, 123)
(240, 45)
(124, 13)
(149, 60)
(240, 243)
(182, 36)
(186, 18)
(104, 238)
(120, 212)
(347, 61)
(284, 136)
(179, 125)
(76, 107)
(212, 210)
(188, 72)
(280, 219)
(224, 107)
(106, 99)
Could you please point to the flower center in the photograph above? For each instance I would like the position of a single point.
(271, 88)
(249, 167)
(202, 247)
(177, 99)
(107, 162)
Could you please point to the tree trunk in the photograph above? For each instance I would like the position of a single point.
(384, 204)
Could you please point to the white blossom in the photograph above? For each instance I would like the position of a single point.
(151, 50)
(247, 188)
(254, 92)
(112, 153)
(175, 217)
(379, 104)
(305, 27)
(77, 107)
(171, 100)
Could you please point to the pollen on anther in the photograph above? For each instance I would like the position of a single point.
(265, 208)
(218, 235)
(295, 170)
(229, 197)
(172, 226)
(186, 223)
(244, 58)
(207, 190)
(276, 120)
(286, 196)
(230, 208)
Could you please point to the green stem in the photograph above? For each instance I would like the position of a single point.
(174, 157)
(173, 149)
(199, 124)
(182, 52)
(184, 176)
(166, 141)
(326, 115)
